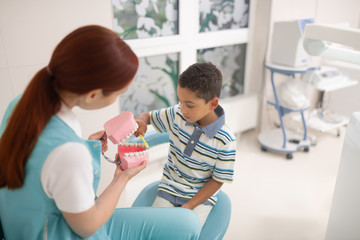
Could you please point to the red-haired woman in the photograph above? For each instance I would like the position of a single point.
(49, 174)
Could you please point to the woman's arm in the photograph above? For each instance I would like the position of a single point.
(87, 223)
(203, 194)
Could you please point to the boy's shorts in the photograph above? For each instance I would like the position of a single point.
(202, 210)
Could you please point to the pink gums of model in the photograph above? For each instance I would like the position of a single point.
(119, 129)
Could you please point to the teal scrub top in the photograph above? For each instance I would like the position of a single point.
(29, 206)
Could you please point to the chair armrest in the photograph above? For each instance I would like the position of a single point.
(153, 138)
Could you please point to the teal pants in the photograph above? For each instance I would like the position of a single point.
(153, 223)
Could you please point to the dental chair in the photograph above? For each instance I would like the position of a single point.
(218, 220)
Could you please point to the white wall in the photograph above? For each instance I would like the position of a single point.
(29, 31)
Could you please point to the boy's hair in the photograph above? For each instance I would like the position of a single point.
(204, 79)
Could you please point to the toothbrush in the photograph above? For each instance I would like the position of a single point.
(145, 143)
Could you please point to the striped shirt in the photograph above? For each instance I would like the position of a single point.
(189, 167)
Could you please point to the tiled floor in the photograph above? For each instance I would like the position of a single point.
(278, 199)
(272, 198)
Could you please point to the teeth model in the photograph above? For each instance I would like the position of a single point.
(132, 154)
(119, 129)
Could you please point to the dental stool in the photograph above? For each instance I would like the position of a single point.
(218, 220)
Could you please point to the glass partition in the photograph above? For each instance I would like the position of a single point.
(154, 86)
(231, 61)
(145, 18)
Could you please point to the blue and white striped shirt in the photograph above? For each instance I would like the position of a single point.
(196, 154)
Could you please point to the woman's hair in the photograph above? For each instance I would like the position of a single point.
(91, 57)
(204, 79)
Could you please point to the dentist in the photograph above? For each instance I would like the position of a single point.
(49, 175)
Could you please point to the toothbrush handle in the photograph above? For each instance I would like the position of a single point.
(143, 139)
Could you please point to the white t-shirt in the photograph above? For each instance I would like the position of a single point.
(67, 175)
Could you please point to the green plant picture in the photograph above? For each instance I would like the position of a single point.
(145, 18)
(154, 86)
(218, 15)
(231, 62)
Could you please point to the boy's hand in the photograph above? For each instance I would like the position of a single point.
(142, 128)
(143, 119)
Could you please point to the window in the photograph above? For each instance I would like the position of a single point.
(170, 35)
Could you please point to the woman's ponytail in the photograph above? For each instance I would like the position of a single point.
(90, 57)
(33, 111)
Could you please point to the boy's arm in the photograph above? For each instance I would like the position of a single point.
(143, 119)
(203, 194)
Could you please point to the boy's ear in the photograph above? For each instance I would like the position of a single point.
(214, 103)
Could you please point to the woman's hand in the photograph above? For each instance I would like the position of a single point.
(130, 172)
(88, 222)
(100, 135)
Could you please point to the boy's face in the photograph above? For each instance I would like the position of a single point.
(195, 109)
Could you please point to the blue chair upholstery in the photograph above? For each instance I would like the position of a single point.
(153, 138)
(217, 222)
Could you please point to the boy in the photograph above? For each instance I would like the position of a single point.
(202, 148)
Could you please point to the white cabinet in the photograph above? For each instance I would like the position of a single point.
(322, 119)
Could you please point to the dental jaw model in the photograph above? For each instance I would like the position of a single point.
(119, 129)
(132, 154)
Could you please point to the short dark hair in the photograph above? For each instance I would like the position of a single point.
(205, 79)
